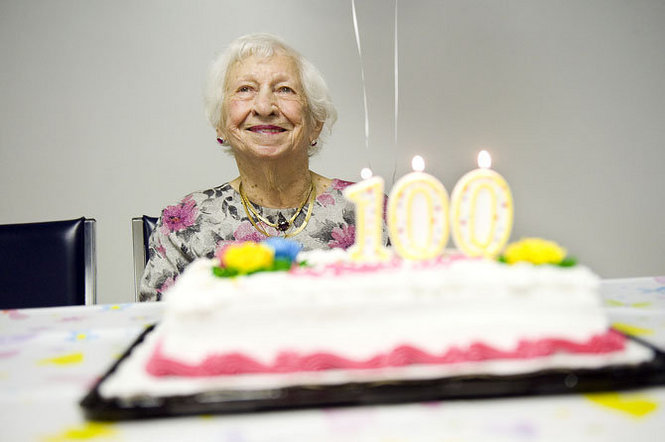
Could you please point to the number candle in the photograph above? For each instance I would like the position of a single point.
(417, 214)
(482, 210)
(367, 195)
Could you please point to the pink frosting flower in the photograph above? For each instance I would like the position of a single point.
(179, 216)
(343, 237)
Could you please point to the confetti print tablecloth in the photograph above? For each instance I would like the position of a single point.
(50, 357)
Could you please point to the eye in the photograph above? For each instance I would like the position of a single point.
(244, 89)
(286, 90)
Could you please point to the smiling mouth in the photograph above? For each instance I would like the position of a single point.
(266, 129)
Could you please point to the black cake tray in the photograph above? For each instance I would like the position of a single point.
(544, 382)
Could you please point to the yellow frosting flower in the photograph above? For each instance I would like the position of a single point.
(248, 257)
(535, 251)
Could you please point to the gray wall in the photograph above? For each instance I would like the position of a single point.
(101, 114)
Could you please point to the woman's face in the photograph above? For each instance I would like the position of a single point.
(265, 111)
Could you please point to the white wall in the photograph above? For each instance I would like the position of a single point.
(101, 115)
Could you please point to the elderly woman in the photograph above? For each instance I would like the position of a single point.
(269, 107)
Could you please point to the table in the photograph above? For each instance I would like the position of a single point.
(50, 357)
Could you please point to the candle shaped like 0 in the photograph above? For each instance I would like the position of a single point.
(367, 195)
(417, 214)
(481, 211)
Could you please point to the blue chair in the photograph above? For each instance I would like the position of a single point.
(48, 264)
(142, 228)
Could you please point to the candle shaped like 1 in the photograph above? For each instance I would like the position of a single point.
(417, 214)
(368, 197)
(482, 211)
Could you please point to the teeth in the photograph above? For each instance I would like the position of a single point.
(268, 130)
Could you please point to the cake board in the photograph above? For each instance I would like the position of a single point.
(468, 386)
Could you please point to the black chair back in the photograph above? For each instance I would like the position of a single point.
(142, 228)
(47, 264)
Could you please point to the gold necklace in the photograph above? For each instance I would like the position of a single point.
(281, 226)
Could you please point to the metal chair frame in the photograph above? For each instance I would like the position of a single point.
(140, 251)
(90, 257)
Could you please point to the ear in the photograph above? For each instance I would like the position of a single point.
(317, 127)
(220, 134)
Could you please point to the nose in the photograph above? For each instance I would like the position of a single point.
(264, 102)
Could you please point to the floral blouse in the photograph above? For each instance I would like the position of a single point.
(205, 220)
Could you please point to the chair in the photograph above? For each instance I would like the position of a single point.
(48, 264)
(142, 227)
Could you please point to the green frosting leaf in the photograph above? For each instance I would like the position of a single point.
(224, 272)
(568, 261)
(281, 264)
(278, 265)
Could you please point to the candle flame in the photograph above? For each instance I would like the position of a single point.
(418, 163)
(366, 173)
(484, 159)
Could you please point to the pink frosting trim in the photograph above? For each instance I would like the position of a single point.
(289, 361)
(346, 268)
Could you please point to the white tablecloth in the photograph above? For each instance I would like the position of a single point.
(49, 358)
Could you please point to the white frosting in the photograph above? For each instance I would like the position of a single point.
(132, 382)
(433, 306)
(360, 314)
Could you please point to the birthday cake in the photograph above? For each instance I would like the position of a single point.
(265, 316)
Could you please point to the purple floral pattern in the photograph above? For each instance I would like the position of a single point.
(342, 237)
(247, 232)
(204, 221)
(179, 216)
(168, 282)
(340, 184)
(161, 250)
(325, 199)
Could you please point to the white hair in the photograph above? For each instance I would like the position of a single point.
(319, 103)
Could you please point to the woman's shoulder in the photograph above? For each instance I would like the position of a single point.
(199, 209)
(206, 195)
(334, 185)
(191, 204)
(332, 197)
(339, 184)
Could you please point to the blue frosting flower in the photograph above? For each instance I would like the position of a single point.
(284, 248)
